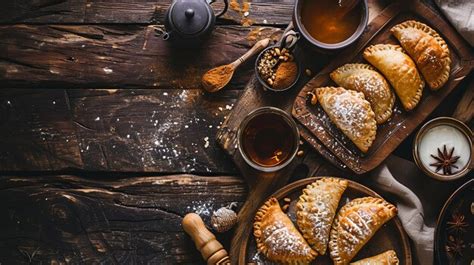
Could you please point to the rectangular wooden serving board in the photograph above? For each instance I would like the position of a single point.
(402, 123)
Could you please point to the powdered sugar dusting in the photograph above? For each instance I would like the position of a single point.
(319, 215)
(349, 113)
(356, 228)
(281, 240)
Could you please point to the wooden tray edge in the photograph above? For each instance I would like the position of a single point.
(300, 112)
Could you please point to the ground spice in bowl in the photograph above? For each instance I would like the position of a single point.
(277, 69)
(285, 75)
(218, 77)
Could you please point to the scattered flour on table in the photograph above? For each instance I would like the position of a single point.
(203, 208)
(260, 259)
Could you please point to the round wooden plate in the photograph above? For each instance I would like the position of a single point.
(390, 236)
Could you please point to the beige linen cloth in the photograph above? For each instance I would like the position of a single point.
(461, 14)
(419, 200)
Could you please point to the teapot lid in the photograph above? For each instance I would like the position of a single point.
(189, 17)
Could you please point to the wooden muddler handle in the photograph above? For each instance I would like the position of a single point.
(211, 250)
(259, 46)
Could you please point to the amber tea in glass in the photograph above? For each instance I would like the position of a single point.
(268, 139)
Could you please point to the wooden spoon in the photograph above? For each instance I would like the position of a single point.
(217, 78)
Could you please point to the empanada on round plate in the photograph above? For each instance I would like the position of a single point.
(277, 238)
(351, 113)
(400, 71)
(316, 208)
(386, 258)
(429, 51)
(355, 224)
(364, 78)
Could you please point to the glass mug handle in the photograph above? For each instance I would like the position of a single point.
(289, 39)
(226, 6)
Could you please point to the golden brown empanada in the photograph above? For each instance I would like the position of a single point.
(356, 223)
(351, 113)
(364, 78)
(277, 238)
(399, 69)
(387, 258)
(316, 209)
(429, 51)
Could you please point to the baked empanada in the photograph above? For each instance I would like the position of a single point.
(364, 78)
(316, 208)
(387, 258)
(277, 238)
(355, 224)
(429, 51)
(351, 113)
(399, 69)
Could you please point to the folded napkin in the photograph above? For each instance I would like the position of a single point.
(461, 14)
(418, 198)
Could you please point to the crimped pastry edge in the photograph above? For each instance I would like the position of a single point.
(391, 254)
(443, 78)
(383, 117)
(334, 252)
(371, 114)
(369, 51)
(305, 198)
(261, 213)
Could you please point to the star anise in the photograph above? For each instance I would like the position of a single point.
(445, 161)
(457, 223)
(455, 246)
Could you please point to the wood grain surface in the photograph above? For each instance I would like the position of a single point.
(65, 63)
(84, 220)
(117, 56)
(113, 130)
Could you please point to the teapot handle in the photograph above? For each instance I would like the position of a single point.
(226, 6)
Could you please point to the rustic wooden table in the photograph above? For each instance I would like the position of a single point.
(103, 123)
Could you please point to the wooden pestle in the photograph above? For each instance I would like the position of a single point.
(211, 250)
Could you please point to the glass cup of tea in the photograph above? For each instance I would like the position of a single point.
(268, 139)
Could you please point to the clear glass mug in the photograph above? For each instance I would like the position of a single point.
(293, 138)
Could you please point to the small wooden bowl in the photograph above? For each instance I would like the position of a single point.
(437, 122)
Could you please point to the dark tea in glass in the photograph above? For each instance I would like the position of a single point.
(268, 139)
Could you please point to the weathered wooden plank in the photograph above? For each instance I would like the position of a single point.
(138, 130)
(37, 133)
(131, 12)
(66, 219)
(125, 56)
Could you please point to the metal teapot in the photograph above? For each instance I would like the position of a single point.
(189, 22)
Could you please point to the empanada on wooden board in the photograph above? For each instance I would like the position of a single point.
(400, 71)
(351, 113)
(388, 257)
(316, 209)
(389, 236)
(428, 50)
(355, 224)
(277, 237)
(366, 79)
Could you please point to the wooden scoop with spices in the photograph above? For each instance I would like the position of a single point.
(217, 78)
